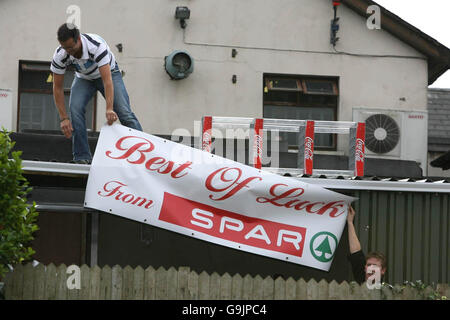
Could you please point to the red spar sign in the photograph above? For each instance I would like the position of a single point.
(238, 228)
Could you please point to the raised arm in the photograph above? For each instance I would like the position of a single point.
(353, 240)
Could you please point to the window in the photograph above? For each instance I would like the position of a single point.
(302, 98)
(36, 108)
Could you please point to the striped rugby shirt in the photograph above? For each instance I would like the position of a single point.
(96, 53)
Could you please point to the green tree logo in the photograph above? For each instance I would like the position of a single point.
(320, 246)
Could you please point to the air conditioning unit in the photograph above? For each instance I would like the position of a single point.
(395, 134)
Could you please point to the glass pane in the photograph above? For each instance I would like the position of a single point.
(36, 80)
(319, 86)
(302, 113)
(290, 97)
(39, 77)
(283, 84)
(38, 112)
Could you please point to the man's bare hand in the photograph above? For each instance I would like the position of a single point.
(351, 214)
(111, 116)
(66, 128)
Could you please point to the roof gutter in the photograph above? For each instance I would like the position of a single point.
(328, 182)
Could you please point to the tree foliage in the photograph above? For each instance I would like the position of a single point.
(17, 217)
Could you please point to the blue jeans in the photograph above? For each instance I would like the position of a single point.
(81, 92)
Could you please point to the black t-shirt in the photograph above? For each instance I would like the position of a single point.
(358, 262)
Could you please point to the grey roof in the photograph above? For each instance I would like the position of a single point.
(439, 120)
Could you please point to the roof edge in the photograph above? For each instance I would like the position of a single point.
(437, 53)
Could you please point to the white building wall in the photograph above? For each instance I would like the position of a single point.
(284, 36)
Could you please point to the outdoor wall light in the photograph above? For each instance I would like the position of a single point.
(179, 65)
(183, 14)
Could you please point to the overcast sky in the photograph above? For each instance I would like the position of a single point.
(430, 16)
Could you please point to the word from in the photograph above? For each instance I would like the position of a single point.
(112, 188)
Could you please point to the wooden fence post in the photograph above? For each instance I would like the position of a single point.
(138, 283)
(172, 283)
(150, 284)
(203, 286)
(94, 283)
(301, 290)
(214, 286)
(61, 282)
(182, 286)
(193, 286)
(117, 283)
(247, 287)
(106, 283)
(291, 286)
(39, 282)
(161, 284)
(225, 287)
(258, 288)
(236, 287)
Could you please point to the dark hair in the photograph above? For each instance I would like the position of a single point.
(67, 31)
(378, 255)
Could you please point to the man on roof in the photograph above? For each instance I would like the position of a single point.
(96, 70)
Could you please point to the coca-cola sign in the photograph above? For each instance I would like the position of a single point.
(359, 150)
(309, 148)
(137, 176)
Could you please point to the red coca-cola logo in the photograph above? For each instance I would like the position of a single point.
(206, 145)
(257, 145)
(359, 150)
(309, 143)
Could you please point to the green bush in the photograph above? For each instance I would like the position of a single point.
(17, 217)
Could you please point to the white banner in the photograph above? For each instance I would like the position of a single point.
(175, 187)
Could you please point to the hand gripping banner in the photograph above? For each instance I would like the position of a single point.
(175, 187)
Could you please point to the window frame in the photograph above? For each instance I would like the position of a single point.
(45, 91)
(267, 77)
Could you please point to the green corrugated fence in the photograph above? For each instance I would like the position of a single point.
(411, 229)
